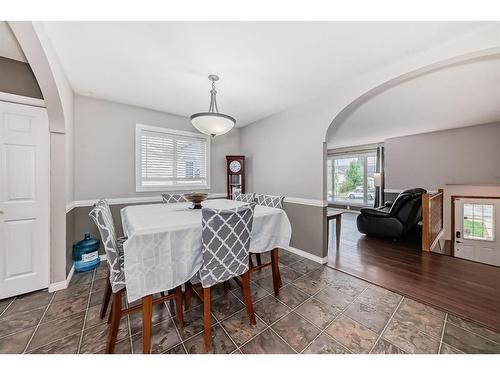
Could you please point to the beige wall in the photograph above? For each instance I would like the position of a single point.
(468, 155)
(105, 148)
(18, 79)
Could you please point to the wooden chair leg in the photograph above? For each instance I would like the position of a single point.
(115, 321)
(105, 299)
(147, 316)
(206, 317)
(178, 306)
(276, 271)
(111, 312)
(187, 296)
(247, 297)
(259, 259)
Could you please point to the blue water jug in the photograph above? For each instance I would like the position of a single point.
(86, 254)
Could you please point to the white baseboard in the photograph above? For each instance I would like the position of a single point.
(307, 255)
(54, 287)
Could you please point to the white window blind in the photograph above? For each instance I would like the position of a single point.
(170, 159)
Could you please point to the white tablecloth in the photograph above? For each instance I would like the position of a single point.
(163, 249)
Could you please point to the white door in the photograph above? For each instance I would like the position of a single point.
(476, 234)
(24, 199)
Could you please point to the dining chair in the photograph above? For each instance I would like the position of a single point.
(107, 288)
(173, 198)
(274, 202)
(225, 247)
(114, 254)
(247, 198)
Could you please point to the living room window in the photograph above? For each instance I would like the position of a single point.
(169, 160)
(350, 178)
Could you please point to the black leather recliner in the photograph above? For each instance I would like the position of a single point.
(393, 220)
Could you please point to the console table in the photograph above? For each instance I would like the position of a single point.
(332, 213)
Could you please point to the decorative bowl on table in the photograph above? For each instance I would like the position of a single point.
(196, 198)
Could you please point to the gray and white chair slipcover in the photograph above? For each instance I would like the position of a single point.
(101, 215)
(104, 203)
(247, 198)
(173, 198)
(269, 200)
(225, 243)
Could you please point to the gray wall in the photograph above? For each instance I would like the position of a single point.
(468, 155)
(18, 79)
(105, 148)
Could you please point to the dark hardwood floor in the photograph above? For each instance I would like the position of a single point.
(468, 289)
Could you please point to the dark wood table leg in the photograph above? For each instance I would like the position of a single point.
(116, 313)
(338, 226)
(147, 317)
(276, 271)
(206, 317)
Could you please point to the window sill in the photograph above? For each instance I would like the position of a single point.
(141, 189)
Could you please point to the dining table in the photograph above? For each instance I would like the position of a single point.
(164, 245)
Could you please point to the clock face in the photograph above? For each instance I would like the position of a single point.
(235, 166)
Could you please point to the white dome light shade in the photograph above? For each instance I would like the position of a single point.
(212, 123)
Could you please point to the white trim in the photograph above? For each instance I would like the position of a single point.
(139, 128)
(306, 202)
(54, 287)
(148, 199)
(19, 99)
(307, 255)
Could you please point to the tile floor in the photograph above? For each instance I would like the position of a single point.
(319, 310)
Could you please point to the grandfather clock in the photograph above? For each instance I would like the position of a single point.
(235, 174)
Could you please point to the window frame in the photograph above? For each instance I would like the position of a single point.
(139, 128)
(365, 154)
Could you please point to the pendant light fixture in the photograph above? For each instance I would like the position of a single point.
(212, 122)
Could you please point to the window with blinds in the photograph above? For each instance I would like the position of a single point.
(168, 159)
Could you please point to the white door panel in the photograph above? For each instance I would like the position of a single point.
(476, 233)
(24, 199)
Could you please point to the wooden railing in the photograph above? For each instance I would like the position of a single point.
(432, 219)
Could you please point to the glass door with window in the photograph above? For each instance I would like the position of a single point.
(350, 179)
(476, 221)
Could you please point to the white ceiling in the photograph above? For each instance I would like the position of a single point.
(457, 96)
(9, 47)
(264, 67)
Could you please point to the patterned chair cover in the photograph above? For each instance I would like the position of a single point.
(225, 243)
(247, 198)
(269, 200)
(114, 252)
(173, 198)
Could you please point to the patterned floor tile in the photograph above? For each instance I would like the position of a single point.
(57, 329)
(410, 339)
(82, 278)
(468, 342)
(291, 296)
(423, 317)
(94, 339)
(65, 345)
(160, 313)
(61, 309)
(193, 322)
(324, 344)
(266, 283)
(367, 316)
(289, 275)
(296, 331)
(381, 299)
(318, 313)
(240, 329)
(309, 285)
(334, 298)
(121, 347)
(73, 291)
(179, 349)
(448, 349)
(28, 302)
(270, 309)
(256, 291)
(385, 347)
(163, 337)
(267, 342)
(305, 266)
(352, 335)
(15, 344)
(226, 306)
(220, 342)
(17, 322)
(475, 328)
